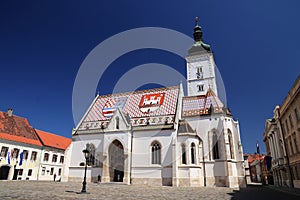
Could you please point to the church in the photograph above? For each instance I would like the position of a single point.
(162, 136)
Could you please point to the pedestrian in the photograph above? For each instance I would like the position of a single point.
(99, 178)
(54, 177)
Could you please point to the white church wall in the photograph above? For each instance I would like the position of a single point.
(234, 127)
(189, 174)
(203, 126)
(76, 174)
(142, 147)
(183, 172)
(68, 156)
(79, 144)
(143, 171)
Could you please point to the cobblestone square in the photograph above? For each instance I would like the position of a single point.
(70, 190)
(61, 190)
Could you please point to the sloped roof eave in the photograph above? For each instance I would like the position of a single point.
(53, 140)
(19, 139)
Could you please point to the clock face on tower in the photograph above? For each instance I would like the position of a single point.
(199, 73)
(195, 72)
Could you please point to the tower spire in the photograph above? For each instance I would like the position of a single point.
(197, 32)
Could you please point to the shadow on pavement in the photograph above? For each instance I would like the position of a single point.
(70, 191)
(258, 192)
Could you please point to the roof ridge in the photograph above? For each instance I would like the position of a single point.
(5, 113)
(138, 91)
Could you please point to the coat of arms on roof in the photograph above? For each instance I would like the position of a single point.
(111, 105)
(151, 102)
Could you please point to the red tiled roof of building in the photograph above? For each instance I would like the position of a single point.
(15, 128)
(52, 140)
(137, 105)
(253, 157)
(129, 102)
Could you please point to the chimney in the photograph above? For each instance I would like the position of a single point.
(10, 112)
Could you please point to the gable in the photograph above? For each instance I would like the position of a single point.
(118, 122)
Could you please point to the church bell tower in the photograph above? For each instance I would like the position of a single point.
(200, 66)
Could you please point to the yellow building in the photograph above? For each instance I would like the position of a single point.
(282, 138)
(290, 124)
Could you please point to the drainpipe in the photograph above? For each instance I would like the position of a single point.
(204, 171)
(130, 175)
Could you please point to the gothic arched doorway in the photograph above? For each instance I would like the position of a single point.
(116, 161)
(4, 171)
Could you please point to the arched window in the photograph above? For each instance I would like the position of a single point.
(231, 147)
(183, 154)
(215, 146)
(117, 122)
(155, 153)
(193, 153)
(91, 157)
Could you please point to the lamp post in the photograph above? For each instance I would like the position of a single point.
(86, 155)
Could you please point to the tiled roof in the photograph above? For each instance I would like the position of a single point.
(253, 157)
(202, 104)
(17, 129)
(185, 127)
(52, 140)
(137, 105)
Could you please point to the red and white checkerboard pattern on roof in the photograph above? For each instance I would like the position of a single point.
(129, 103)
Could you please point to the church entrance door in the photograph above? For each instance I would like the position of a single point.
(116, 161)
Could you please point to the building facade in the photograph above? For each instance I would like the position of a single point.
(290, 124)
(282, 138)
(23, 150)
(256, 170)
(160, 136)
(20, 148)
(276, 148)
(53, 156)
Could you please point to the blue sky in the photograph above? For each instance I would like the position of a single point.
(43, 43)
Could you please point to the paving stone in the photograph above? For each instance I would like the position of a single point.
(62, 190)
(40, 190)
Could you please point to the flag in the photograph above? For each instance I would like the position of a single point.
(11, 153)
(21, 158)
(8, 157)
(257, 148)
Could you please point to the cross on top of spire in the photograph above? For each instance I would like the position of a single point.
(196, 20)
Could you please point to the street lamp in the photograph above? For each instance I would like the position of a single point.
(86, 155)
